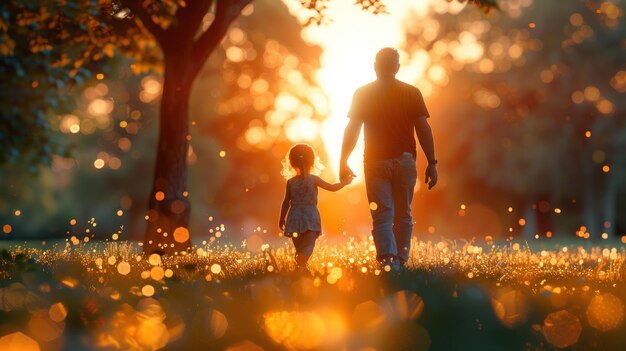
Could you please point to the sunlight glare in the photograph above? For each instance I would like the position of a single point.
(350, 42)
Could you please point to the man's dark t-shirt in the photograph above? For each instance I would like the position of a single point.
(388, 109)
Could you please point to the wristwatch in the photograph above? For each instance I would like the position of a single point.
(434, 162)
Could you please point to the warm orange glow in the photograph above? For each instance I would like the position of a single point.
(57, 312)
(510, 306)
(7, 229)
(151, 89)
(403, 305)
(245, 345)
(605, 312)
(100, 107)
(347, 62)
(253, 243)
(147, 290)
(561, 329)
(295, 330)
(43, 328)
(98, 163)
(591, 93)
(18, 342)
(157, 273)
(181, 234)
(123, 268)
(216, 268)
(215, 323)
(159, 196)
(368, 315)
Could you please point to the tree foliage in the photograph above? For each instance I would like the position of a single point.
(47, 48)
(531, 123)
(174, 35)
(47, 52)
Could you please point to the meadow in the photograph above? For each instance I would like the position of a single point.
(454, 295)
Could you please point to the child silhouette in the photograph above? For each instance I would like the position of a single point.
(303, 223)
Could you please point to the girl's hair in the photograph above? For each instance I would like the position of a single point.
(301, 157)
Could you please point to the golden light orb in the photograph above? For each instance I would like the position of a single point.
(18, 342)
(181, 234)
(216, 268)
(510, 306)
(57, 312)
(155, 259)
(147, 290)
(123, 268)
(561, 329)
(605, 312)
(159, 196)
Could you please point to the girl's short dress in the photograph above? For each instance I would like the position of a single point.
(303, 214)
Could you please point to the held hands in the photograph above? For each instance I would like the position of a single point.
(281, 224)
(346, 180)
(345, 172)
(431, 176)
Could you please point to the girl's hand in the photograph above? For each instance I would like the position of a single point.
(346, 179)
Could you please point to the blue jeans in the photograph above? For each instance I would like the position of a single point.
(390, 184)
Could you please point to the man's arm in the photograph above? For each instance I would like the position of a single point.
(427, 142)
(350, 137)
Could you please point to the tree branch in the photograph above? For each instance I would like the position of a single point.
(189, 18)
(138, 10)
(227, 11)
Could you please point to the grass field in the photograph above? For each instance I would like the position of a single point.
(453, 296)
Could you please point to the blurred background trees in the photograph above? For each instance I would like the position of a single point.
(535, 120)
(113, 123)
(527, 109)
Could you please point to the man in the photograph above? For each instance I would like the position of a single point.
(390, 110)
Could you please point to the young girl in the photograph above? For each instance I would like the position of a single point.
(303, 224)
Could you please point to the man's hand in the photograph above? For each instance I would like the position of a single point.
(346, 180)
(281, 224)
(345, 171)
(431, 176)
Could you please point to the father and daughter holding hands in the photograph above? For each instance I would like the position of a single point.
(390, 112)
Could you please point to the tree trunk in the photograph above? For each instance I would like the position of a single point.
(169, 208)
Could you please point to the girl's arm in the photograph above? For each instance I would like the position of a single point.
(284, 208)
(332, 187)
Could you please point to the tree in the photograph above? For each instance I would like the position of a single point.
(174, 36)
(533, 125)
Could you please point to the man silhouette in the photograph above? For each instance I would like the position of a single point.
(390, 110)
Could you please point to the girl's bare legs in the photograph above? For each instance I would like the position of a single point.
(304, 243)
